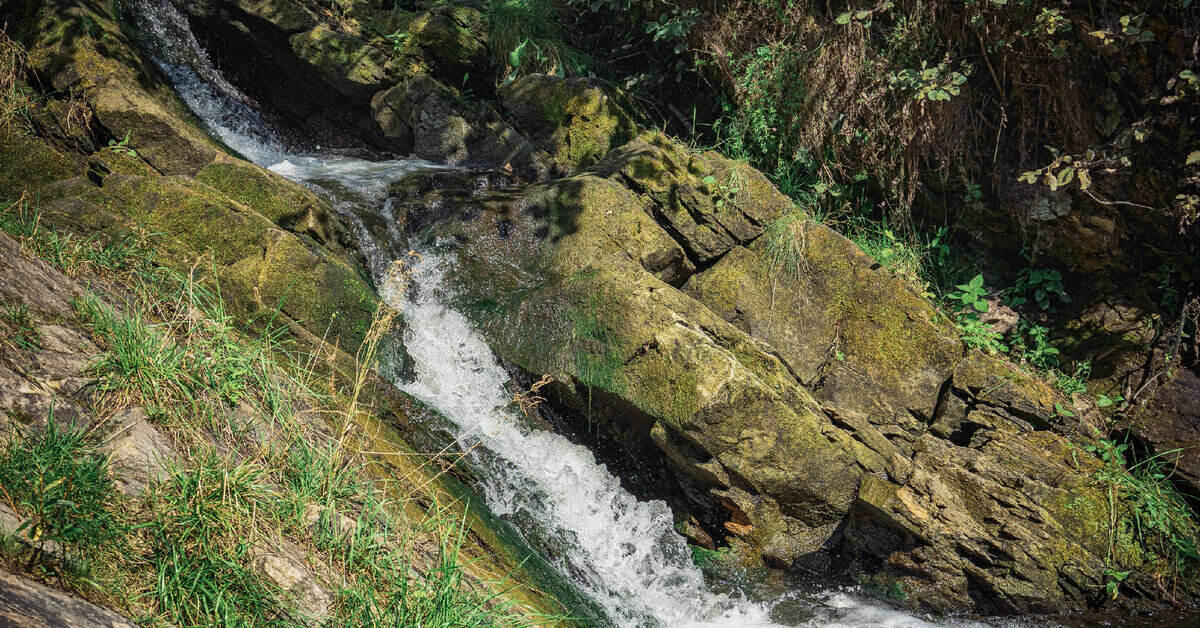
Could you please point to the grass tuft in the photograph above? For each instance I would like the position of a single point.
(60, 486)
(18, 329)
(1158, 515)
(525, 37)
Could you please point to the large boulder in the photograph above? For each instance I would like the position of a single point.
(437, 124)
(803, 400)
(194, 226)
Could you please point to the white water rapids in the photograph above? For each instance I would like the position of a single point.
(622, 552)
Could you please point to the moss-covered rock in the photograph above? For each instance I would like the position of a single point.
(708, 202)
(261, 267)
(1016, 525)
(950, 475)
(81, 50)
(453, 40)
(27, 163)
(860, 339)
(277, 199)
(436, 123)
(163, 139)
(576, 121)
(355, 67)
(557, 276)
(286, 15)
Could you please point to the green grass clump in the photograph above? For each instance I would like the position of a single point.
(18, 329)
(127, 256)
(526, 37)
(61, 487)
(141, 362)
(1157, 514)
(200, 543)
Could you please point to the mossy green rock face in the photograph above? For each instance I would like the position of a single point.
(28, 163)
(860, 339)
(260, 267)
(1014, 522)
(805, 394)
(354, 67)
(81, 50)
(576, 121)
(560, 278)
(359, 64)
(286, 15)
(277, 199)
(454, 40)
(711, 203)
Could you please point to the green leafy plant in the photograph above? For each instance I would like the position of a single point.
(1113, 580)
(122, 146)
(979, 335)
(937, 83)
(398, 39)
(727, 190)
(1043, 286)
(971, 295)
(527, 36)
(1031, 342)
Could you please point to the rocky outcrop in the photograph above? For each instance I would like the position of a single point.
(28, 604)
(805, 400)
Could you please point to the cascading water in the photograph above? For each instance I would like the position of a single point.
(622, 552)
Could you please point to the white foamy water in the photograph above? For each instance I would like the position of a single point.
(621, 552)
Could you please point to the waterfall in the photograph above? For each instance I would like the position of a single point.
(622, 552)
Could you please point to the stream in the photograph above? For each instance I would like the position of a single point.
(621, 552)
